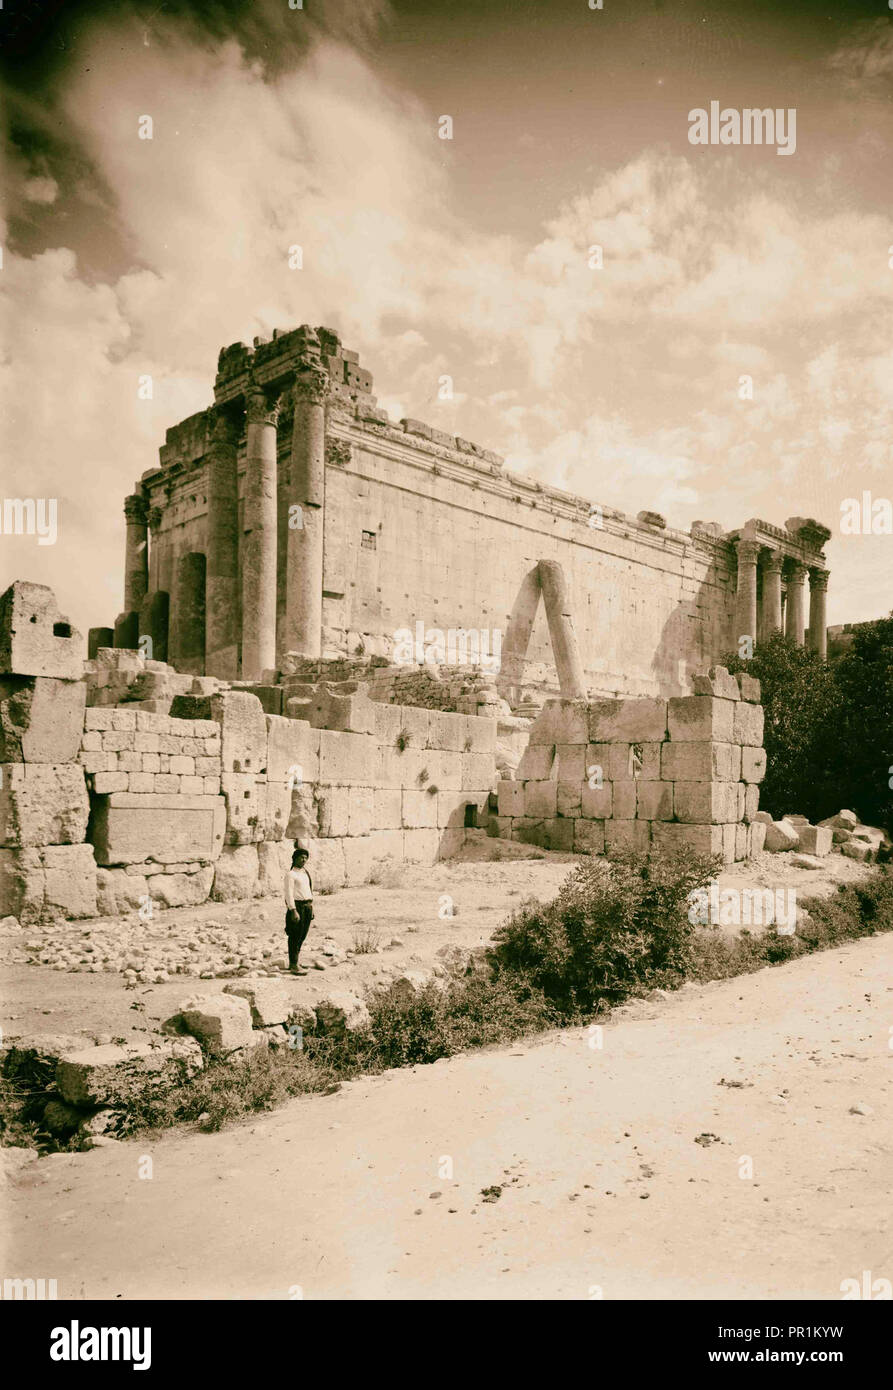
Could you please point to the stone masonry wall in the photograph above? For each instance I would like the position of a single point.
(620, 774)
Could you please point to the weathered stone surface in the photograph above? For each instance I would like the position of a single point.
(538, 762)
(749, 688)
(725, 686)
(511, 798)
(270, 1001)
(41, 719)
(113, 1074)
(654, 801)
(42, 804)
(858, 849)
(133, 827)
(347, 759)
(292, 750)
(118, 892)
(756, 838)
(342, 1011)
(805, 861)
(42, 884)
(698, 762)
(753, 764)
(35, 640)
(326, 864)
(703, 839)
(273, 862)
(748, 725)
(235, 874)
(815, 839)
(706, 803)
(589, 837)
(597, 803)
(353, 713)
(182, 889)
(627, 721)
(562, 721)
(243, 731)
(701, 719)
(622, 835)
(780, 836)
(540, 799)
(220, 1021)
(359, 853)
(245, 797)
(844, 820)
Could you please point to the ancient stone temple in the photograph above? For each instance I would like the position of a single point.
(294, 517)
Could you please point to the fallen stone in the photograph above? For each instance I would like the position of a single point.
(844, 820)
(815, 839)
(780, 836)
(805, 861)
(112, 1075)
(342, 1010)
(270, 1001)
(859, 850)
(221, 1021)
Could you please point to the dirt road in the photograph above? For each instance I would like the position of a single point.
(620, 1169)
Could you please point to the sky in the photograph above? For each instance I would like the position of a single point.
(468, 257)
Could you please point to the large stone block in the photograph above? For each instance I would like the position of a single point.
(781, 836)
(243, 731)
(350, 713)
(628, 721)
(221, 1021)
(589, 837)
(753, 764)
(235, 874)
(387, 845)
(622, 835)
(35, 640)
(510, 798)
(292, 750)
(654, 801)
(182, 889)
(115, 1076)
(749, 687)
(562, 721)
(42, 804)
(387, 720)
(700, 719)
(570, 762)
(414, 727)
(43, 884)
(361, 811)
(703, 839)
(421, 846)
(597, 803)
(387, 808)
(118, 892)
(748, 725)
(447, 731)
(706, 803)
(698, 762)
(326, 865)
(270, 1001)
(569, 801)
(615, 760)
(751, 801)
(333, 807)
(540, 799)
(347, 759)
(480, 735)
(133, 827)
(359, 856)
(815, 839)
(537, 763)
(419, 810)
(624, 797)
(41, 719)
(273, 863)
(756, 838)
(477, 770)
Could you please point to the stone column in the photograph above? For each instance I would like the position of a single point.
(222, 596)
(188, 634)
(772, 594)
(818, 619)
(259, 539)
(571, 680)
(795, 617)
(746, 601)
(306, 518)
(136, 552)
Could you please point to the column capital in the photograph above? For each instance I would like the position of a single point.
(774, 562)
(135, 509)
(154, 518)
(818, 579)
(798, 572)
(311, 382)
(748, 552)
(260, 409)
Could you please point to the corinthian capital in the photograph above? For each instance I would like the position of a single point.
(311, 382)
(135, 509)
(748, 552)
(818, 579)
(260, 409)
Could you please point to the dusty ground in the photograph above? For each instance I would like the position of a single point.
(401, 917)
(621, 1169)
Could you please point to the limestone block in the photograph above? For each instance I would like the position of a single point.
(748, 725)
(654, 800)
(570, 760)
(700, 719)
(614, 759)
(729, 842)
(763, 816)
(780, 836)
(844, 820)
(220, 1021)
(510, 798)
(815, 839)
(22, 881)
(739, 788)
(756, 838)
(347, 759)
(387, 845)
(118, 892)
(413, 726)
(741, 841)
(477, 770)
(751, 801)
(537, 763)
(106, 782)
(480, 735)
(501, 827)
(628, 721)
(333, 809)
(447, 730)
(753, 764)
(419, 810)
(270, 1001)
(706, 803)
(621, 835)
(702, 839)
(69, 881)
(245, 799)
(749, 688)
(114, 1075)
(420, 846)
(326, 865)
(445, 770)
(589, 837)
(131, 828)
(353, 713)
(387, 808)
(273, 863)
(361, 811)
(387, 720)
(624, 797)
(857, 849)
(569, 801)
(41, 719)
(35, 640)
(235, 873)
(725, 686)
(342, 1011)
(292, 750)
(303, 817)
(697, 762)
(359, 856)
(597, 803)
(42, 804)
(243, 730)
(540, 799)
(561, 721)
(183, 889)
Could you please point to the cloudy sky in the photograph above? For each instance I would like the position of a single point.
(468, 257)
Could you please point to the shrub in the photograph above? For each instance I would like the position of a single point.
(614, 928)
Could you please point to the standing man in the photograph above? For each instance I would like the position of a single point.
(299, 905)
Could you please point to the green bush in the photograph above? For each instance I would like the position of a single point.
(614, 928)
(864, 742)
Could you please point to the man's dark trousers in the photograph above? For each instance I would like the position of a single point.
(297, 925)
